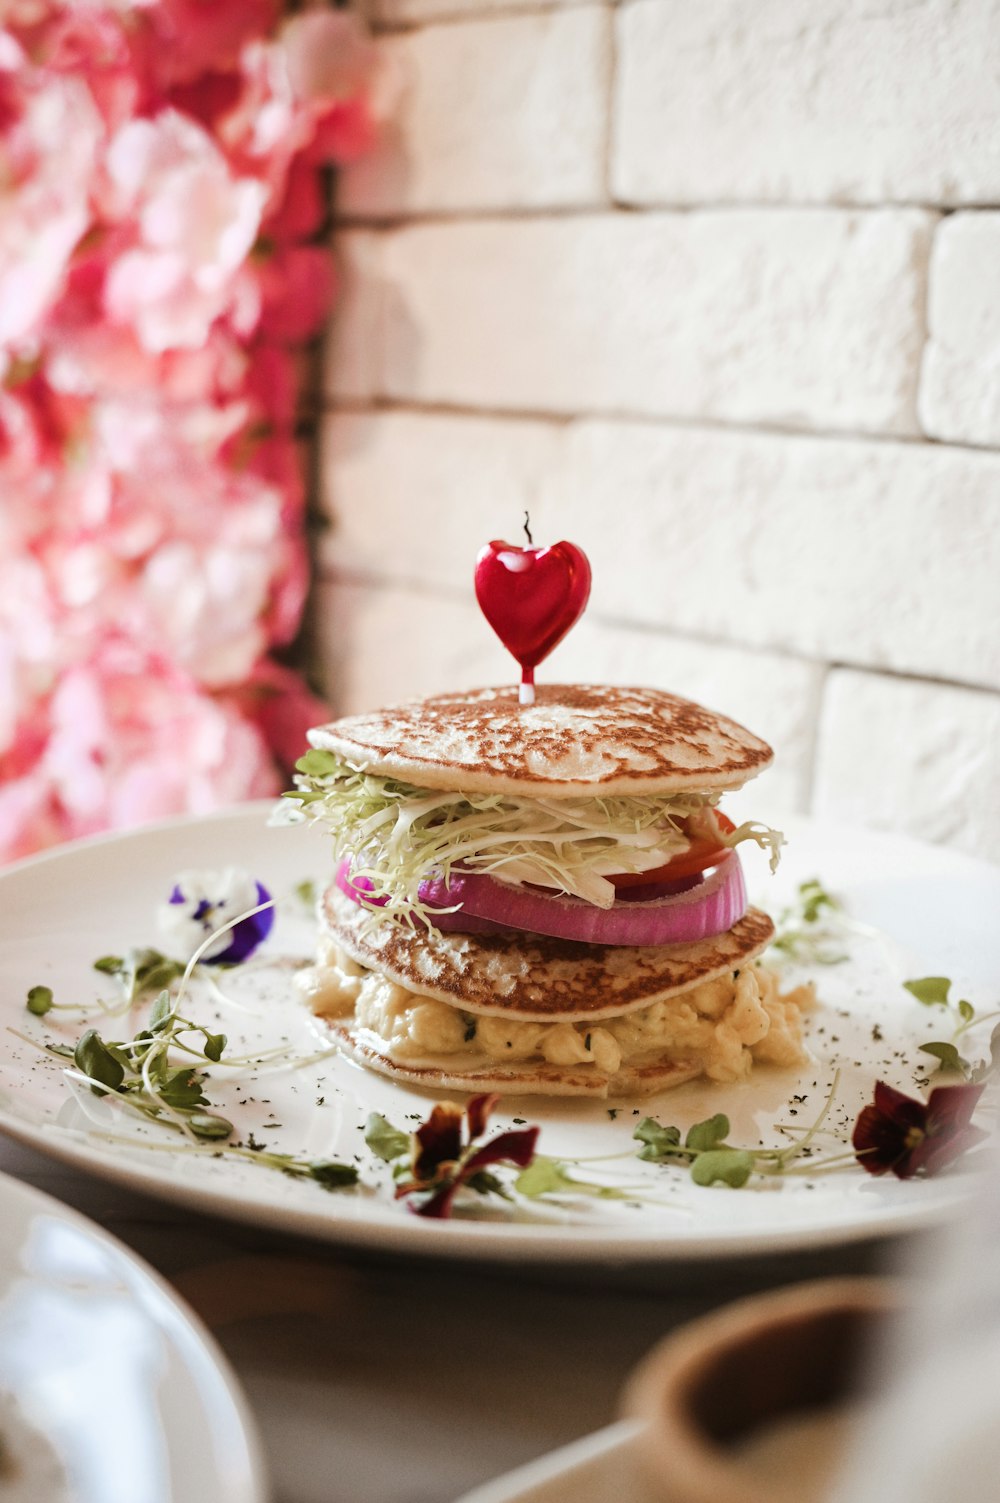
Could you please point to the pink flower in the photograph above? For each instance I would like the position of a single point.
(158, 175)
(283, 708)
(48, 160)
(193, 224)
(194, 37)
(132, 739)
(344, 132)
(272, 383)
(92, 43)
(300, 213)
(297, 287)
(29, 818)
(329, 56)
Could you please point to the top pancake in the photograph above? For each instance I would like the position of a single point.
(576, 739)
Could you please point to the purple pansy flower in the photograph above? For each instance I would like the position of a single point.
(445, 1158)
(897, 1134)
(204, 902)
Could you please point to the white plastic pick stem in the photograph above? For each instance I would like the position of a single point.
(526, 694)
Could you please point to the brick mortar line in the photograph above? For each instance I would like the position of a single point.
(387, 406)
(617, 208)
(466, 18)
(934, 681)
(335, 574)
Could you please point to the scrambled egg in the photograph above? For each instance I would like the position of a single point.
(723, 1025)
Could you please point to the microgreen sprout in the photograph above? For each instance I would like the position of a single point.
(142, 1073)
(812, 923)
(713, 1160)
(935, 991)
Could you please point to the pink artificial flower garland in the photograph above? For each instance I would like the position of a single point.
(160, 184)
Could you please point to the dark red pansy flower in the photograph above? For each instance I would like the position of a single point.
(907, 1137)
(445, 1159)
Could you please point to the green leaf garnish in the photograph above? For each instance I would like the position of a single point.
(712, 1160)
(384, 1140)
(807, 926)
(215, 1046)
(331, 1175)
(727, 1166)
(485, 1182)
(659, 1143)
(707, 1135)
(549, 1177)
(39, 1000)
(160, 1015)
(209, 1125)
(181, 1088)
(94, 1059)
(317, 764)
(949, 1057)
(932, 991)
(814, 899)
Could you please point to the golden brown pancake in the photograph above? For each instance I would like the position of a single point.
(576, 739)
(534, 977)
(528, 1078)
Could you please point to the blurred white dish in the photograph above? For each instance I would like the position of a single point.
(935, 912)
(110, 1390)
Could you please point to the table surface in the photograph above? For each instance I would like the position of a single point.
(377, 1379)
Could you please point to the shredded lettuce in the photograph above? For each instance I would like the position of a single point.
(397, 835)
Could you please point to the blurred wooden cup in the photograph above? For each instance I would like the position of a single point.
(753, 1403)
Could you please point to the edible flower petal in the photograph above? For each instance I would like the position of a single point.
(442, 1164)
(907, 1137)
(203, 902)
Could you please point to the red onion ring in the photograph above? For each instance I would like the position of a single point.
(359, 890)
(485, 905)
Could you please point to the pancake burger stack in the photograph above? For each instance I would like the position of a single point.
(539, 894)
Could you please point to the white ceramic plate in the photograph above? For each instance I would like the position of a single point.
(935, 911)
(110, 1392)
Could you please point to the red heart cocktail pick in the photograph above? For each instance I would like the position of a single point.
(531, 597)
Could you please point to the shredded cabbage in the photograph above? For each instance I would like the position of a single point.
(397, 835)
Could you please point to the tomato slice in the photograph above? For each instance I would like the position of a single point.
(703, 852)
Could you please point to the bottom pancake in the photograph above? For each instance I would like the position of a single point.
(522, 1079)
(717, 1028)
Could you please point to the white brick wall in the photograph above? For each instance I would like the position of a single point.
(960, 388)
(828, 548)
(713, 291)
(808, 101)
(353, 346)
(905, 755)
(524, 126)
(801, 318)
